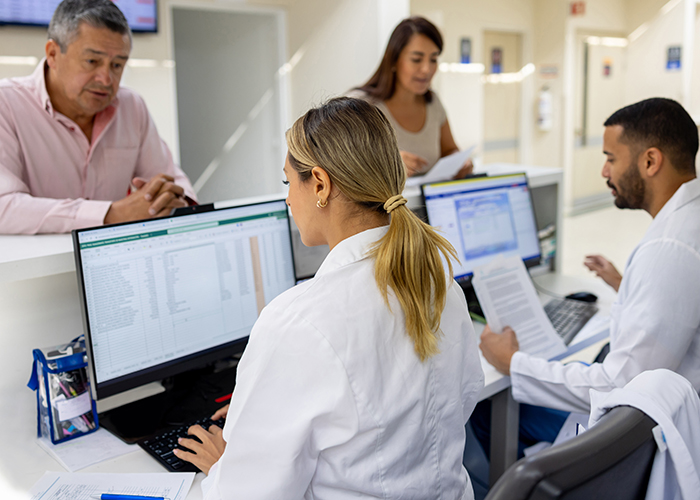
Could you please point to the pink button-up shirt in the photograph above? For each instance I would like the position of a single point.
(52, 179)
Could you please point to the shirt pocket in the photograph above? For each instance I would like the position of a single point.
(112, 170)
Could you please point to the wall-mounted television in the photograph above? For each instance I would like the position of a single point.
(142, 15)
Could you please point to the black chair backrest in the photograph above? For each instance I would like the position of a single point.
(611, 460)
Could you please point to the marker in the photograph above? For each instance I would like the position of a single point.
(113, 496)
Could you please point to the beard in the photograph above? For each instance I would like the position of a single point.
(630, 188)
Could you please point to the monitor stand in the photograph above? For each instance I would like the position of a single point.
(472, 300)
(189, 396)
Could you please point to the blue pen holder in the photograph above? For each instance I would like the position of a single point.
(65, 408)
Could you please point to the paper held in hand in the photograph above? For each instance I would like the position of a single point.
(508, 298)
(444, 170)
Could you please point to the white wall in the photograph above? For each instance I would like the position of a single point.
(647, 75)
(469, 18)
(549, 32)
(695, 92)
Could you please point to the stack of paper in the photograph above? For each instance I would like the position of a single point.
(444, 170)
(57, 486)
(86, 450)
(508, 298)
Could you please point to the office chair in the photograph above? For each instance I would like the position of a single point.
(611, 460)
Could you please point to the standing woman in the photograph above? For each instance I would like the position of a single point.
(401, 89)
(358, 382)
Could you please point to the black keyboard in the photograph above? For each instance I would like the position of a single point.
(161, 445)
(568, 316)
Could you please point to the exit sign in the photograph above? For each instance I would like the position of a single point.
(578, 8)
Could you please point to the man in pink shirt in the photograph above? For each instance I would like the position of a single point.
(72, 143)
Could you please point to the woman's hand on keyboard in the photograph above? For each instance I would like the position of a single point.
(220, 413)
(208, 451)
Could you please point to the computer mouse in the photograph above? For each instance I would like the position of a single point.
(582, 296)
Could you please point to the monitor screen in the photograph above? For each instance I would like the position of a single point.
(142, 15)
(164, 296)
(483, 217)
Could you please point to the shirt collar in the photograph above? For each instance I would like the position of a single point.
(352, 249)
(39, 79)
(684, 194)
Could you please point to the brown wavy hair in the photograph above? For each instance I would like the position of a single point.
(382, 84)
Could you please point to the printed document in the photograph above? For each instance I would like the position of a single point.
(444, 170)
(508, 298)
(58, 486)
(86, 450)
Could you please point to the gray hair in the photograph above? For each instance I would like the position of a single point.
(68, 16)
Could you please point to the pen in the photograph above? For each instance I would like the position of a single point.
(114, 496)
(223, 398)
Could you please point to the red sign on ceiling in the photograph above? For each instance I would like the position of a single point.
(578, 8)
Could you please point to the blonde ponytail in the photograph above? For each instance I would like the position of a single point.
(409, 260)
(356, 145)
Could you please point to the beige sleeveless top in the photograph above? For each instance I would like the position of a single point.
(426, 142)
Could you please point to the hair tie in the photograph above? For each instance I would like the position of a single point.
(394, 202)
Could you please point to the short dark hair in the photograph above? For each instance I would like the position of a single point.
(663, 124)
(383, 83)
(66, 20)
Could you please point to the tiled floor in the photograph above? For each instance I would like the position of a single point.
(610, 232)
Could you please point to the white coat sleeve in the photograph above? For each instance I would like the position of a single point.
(292, 400)
(653, 323)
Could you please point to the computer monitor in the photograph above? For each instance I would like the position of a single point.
(164, 296)
(483, 217)
(142, 15)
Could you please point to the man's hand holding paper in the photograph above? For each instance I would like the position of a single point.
(498, 348)
(516, 319)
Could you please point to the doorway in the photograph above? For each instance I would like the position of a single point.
(231, 99)
(600, 88)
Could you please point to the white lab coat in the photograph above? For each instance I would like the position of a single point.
(672, 402)
(332, 402)
(654, 323)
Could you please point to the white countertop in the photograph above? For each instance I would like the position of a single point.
(33, 256)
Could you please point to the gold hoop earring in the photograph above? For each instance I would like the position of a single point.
(321, 205)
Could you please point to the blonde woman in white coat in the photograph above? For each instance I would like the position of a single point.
(357, 383)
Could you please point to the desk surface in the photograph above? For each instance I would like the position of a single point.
(24, 257)
(43, 312)
(32, 256)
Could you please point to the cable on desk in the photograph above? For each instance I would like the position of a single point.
(547, 292)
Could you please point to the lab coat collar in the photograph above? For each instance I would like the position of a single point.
(685, 194)
(352, 249)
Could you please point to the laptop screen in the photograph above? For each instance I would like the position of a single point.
(165, 295)
(482, 217)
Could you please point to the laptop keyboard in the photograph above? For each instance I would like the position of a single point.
(568, 316)
(161, 445)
